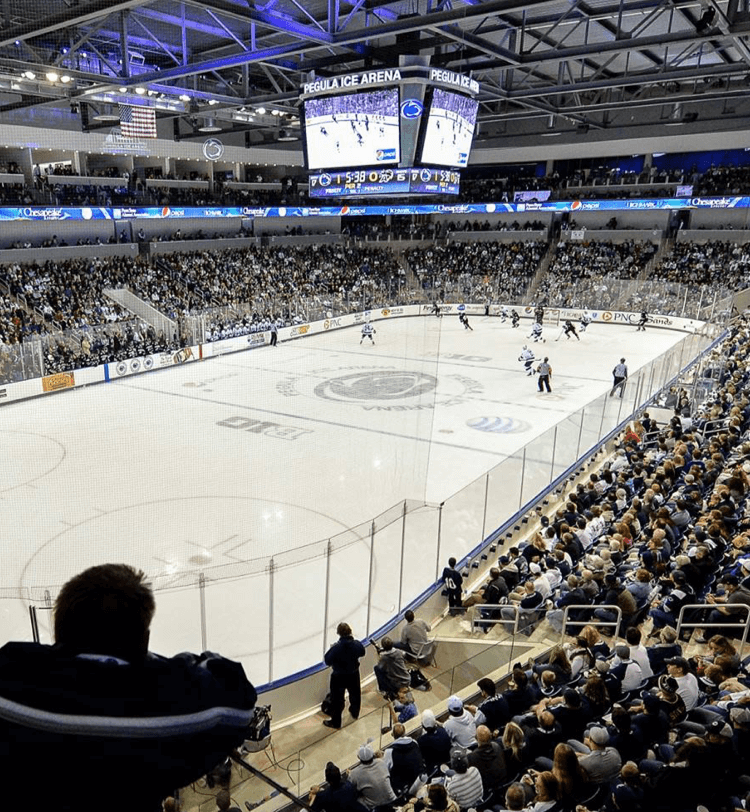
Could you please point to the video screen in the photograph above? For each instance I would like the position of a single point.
(360, 129)
(449, 130)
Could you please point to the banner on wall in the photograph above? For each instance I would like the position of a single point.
(145, 363)
(59, 213)
(61, 380)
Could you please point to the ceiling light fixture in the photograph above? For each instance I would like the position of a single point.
(52, 76)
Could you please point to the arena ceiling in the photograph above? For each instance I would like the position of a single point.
(592, 67)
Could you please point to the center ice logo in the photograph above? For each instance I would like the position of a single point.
(380, 385)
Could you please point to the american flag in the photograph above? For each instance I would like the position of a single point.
(137, 122)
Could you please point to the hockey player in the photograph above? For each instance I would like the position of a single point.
(585, 321)
(569, 330)
(503, 314)
(527, 358)
(367, 332)
(515, 318)
(436, 310)
(539, 314)
(642, 322)
(465, 321)
(536, 332)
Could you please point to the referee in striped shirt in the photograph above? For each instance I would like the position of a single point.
(620, 374)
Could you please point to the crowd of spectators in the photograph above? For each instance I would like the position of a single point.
(692, 263)
(578, 270)
(642, 720)
(478, 270)
(239, 291)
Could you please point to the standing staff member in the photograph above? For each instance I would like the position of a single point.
(343, 657)
(620, 374)
(545, 373)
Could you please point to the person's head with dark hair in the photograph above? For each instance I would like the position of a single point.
(459, 762)
(621, 719)
(386, 644)
(409, 616)
(437, 796)
(105, 609)
(519, 678)
(633, 636)
(486, 686)
(451, 562)
(344, 630)
(333, 775)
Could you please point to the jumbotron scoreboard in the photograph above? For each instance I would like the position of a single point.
(376, 180)
(399, 131)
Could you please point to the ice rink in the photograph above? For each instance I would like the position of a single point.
(205, 467)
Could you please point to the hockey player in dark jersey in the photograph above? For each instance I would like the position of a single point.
(570, 330)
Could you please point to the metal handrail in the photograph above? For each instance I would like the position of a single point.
(713, 426)
(476, 618)
(744, 625)
(592, 606)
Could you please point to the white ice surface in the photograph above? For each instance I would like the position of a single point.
(204, 467)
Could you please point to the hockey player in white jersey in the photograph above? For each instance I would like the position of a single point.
(527, 358)
(367, 332)
(585, 321)
(504, 314)
(536, 332)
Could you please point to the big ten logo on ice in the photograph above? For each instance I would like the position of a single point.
(263, 427)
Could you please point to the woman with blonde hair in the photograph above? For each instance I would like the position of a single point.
(594, 641)
(514, 742)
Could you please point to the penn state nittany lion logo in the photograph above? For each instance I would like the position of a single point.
(378, 385)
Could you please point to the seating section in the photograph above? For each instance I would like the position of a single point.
(476, 271)
(578, 268)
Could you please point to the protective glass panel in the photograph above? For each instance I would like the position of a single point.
(461, 529)
(299, 588)
(238, 622)
(176, 625)
(592, 424)
(349, 565)
(504, 492)
(537, 465)
(420, 552)
(566, 444)
(386, 573)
